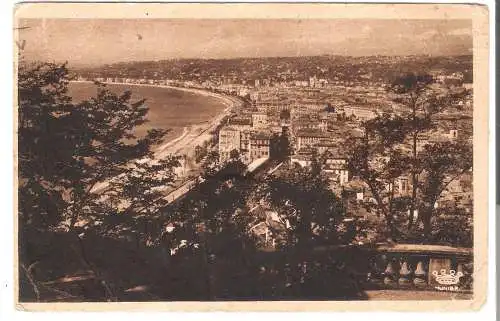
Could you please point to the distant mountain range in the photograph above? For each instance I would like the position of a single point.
(339, 67)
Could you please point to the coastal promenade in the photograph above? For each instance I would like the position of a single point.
(197, 134)
(190, 137)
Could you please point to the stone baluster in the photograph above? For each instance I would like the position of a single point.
(460, 269)
(377, 266)
(465, 280)
(390, 273)
(404, 275)
(420, 279)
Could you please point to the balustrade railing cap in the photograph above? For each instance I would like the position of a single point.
(425, 249)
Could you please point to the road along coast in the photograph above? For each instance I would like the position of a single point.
(191, 136)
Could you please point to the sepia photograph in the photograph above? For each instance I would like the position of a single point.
(251, 158)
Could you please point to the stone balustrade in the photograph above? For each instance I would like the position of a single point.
(429, 267)
(404, 266)
(359, 272)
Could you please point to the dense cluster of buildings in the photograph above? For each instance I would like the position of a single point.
(317, 120)
(316, 115)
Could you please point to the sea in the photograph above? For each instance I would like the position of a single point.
(171, 109)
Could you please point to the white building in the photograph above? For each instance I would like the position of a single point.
(229, 140)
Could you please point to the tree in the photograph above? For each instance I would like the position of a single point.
(390, 148)
(412, 90)
(449, 161)
(199, 153)
(215, 216)
(280, 145)
(376, 159)
(210, 164)
(302, 197)
(82, 170)
(424, 104)
(234, 154)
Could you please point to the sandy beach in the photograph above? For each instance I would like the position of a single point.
(195, 134)
(192, 135)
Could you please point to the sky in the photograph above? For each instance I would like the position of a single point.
(101, 41)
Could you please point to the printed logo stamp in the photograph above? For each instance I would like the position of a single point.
(449, 280)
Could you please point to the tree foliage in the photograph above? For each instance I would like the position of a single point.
(66, 150)
(393, 147)
(280, 145)
(82, 169)
(303, 198)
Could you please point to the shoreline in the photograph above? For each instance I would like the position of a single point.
(192, 135)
